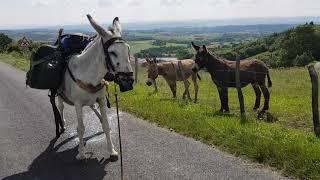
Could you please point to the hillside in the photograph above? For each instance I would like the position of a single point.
(295, 47)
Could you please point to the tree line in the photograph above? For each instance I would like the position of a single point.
(296, 47)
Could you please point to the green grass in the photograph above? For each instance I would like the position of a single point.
(288, 144)
(137, 46)
(15, 60)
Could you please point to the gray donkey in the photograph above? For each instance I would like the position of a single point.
(171, 72)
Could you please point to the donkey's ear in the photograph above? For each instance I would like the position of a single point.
(195, 46)
(155, 59)
(100, 30)
(116, 25)
(205, 49)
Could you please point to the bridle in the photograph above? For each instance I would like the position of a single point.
(112, 75)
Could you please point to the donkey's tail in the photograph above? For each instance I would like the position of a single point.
(269, 80)
(199, 77)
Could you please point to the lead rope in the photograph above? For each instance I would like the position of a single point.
(119, 129)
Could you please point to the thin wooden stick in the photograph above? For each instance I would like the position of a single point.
(315, 98)
(136, 69)
(119, 129)
(238, 84)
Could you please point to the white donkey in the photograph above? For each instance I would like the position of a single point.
(82, 86)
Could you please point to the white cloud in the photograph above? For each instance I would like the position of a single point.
(39, 3)
(136, 2)
(172, 2)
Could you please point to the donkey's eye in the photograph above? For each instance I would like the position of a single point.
(118, 64)
(113, 53)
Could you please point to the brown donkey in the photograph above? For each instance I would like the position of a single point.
(170, 71)
(222, 73)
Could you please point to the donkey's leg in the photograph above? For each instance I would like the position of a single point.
(61, 108)
(186, 90)
(80, 130)
(173, 87)
(266, 95)
(196, 87)
(221, 99)
(225, 99)
(258, 96)
(106, 128)
(155, 86)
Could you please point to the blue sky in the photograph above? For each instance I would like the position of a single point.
(62, 12)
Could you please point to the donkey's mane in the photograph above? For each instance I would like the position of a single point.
(218, 58)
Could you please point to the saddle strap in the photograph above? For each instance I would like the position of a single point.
(86, 86)
(89, 87)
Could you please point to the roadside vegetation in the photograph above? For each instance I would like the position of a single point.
(288, 144)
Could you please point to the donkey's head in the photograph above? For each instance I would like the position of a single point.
(152, 71)
(116, 54)
(201, 58)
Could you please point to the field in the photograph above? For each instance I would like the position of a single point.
(288, 144)
(137, 46)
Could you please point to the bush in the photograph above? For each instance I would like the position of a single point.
(4, 41)
(302, 60)
(159, 43)
(14, 48)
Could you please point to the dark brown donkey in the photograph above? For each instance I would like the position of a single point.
(222, 73)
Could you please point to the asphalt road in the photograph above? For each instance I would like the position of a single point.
(28, 149)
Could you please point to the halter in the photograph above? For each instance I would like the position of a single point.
(110, 66)
(106, 46)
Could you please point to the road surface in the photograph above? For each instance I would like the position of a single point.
(28, 149)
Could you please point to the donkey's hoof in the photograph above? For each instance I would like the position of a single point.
(113, 157)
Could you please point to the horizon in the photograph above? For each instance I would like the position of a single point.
(38, 13)
(214, 22)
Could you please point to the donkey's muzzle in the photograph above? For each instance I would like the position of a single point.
(149, 82)
(125, 81)
(195, 68)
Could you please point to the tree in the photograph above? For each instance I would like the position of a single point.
(298, 41)
(184, 54)
(4, 41)
(302, 60)
(159, 43)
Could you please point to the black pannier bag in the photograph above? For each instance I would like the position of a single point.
(46, 68)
